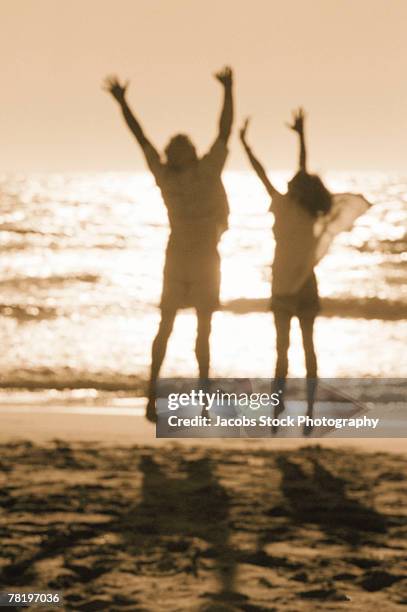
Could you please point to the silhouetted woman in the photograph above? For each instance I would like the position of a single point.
(294, 286)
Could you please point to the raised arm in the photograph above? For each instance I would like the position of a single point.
(297, 125)
(118, 91)
(257, 167)
(225, 77)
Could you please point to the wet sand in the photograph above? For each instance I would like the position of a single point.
(110, 426)
(97, 508)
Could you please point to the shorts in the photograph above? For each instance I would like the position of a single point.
(303, 304)
(191, 281)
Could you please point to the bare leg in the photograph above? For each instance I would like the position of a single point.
(202, 343)
(307, 330)
(158, 353)
(282, 321)
(202, 350)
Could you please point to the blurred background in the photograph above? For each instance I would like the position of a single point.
(82, 226)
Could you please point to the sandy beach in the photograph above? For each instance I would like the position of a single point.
(97, 508)
(203, 213)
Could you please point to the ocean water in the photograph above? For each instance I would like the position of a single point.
(80, 279)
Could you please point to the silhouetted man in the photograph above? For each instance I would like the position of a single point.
(198, 211)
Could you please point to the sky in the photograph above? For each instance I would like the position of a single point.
(343, 60)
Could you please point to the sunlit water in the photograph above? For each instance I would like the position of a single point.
(80, 278)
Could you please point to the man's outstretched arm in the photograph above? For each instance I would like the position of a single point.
(118, 91)
(225, 77)
(298, 126)
(257, 166)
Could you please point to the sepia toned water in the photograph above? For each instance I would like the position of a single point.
(80, 278)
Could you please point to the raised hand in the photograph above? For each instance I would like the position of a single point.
(243, 130)
(113, 86)
(225, 76)
(297, 124)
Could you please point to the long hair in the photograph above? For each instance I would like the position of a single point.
(311, 193)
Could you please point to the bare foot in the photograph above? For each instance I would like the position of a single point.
(151, 413)
(308, 429)
(205, 413)
(279, 409)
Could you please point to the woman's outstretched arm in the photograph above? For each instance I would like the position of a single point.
(297, 125)
(118, 91)
(257, 167)
(225, 77)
